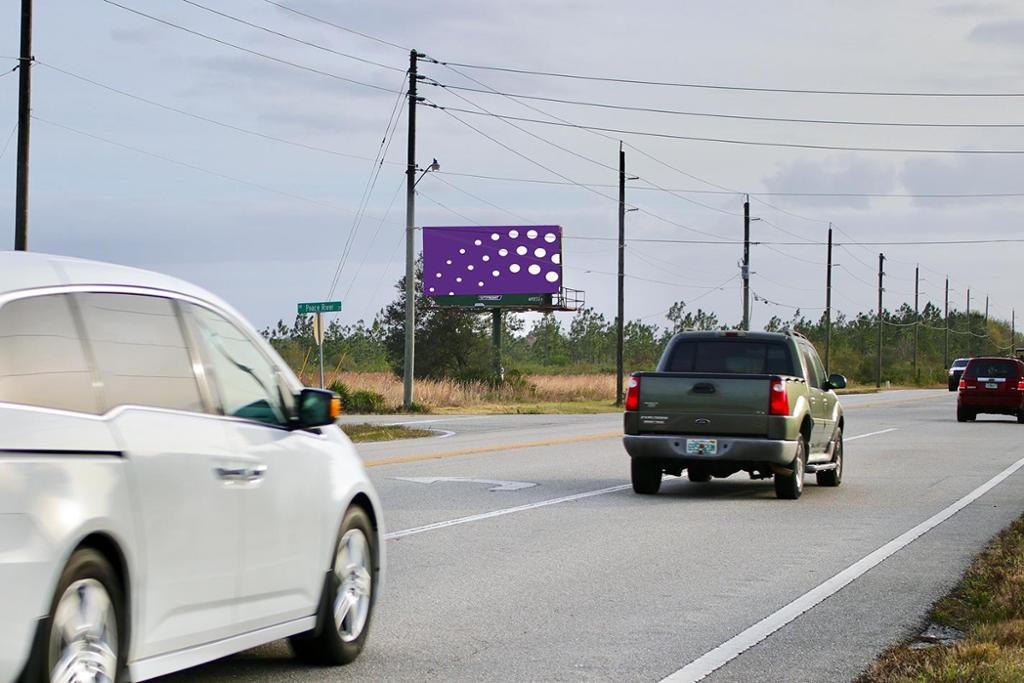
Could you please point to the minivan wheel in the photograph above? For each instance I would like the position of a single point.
(349, 596)
(790, 486)
(85, 638)
(834, 477)
(646, 477)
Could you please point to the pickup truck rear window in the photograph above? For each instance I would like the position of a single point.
(730, 357)
(991, 368)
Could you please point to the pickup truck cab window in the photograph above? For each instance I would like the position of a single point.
(731, 356)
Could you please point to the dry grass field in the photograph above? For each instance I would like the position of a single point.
(435, 394)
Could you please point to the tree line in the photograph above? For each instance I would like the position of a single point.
(456, 343)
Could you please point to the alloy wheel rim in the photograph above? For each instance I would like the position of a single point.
(352, 567)
(799, 472)
(83, 639)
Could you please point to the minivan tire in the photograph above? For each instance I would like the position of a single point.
(646, 477)
(325, 645)
(89, 568)
(790, 486)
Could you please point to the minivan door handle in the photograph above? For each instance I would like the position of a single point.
(703, 388)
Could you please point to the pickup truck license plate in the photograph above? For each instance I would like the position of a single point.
(991, 385)
(701, 446)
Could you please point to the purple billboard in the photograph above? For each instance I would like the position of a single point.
(509, 259)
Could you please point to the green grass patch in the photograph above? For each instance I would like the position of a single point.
(988, 606)
(362, 433)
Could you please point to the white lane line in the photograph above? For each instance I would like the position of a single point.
(499, 513)
(740, 643)
(864, 436)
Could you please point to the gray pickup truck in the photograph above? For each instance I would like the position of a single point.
(722, 402)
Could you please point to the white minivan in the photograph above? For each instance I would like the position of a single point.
(169, 493)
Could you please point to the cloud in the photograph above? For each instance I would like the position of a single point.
(847, 175)
(1010, 32)
(963, 175)
(970, 8)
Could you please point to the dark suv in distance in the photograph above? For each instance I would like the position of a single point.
(956, 371)
(991, 385)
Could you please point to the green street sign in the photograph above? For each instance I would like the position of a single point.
(320, 307)
(494, 300)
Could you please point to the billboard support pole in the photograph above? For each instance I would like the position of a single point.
(496, 334)
(410, 242)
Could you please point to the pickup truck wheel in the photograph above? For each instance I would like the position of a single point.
(697, 474)
(834, 477)
(789, 487)
(646, 477)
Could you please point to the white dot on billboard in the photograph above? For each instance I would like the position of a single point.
(539, 252)
(469, 267)
(480, 284)
(534, 269)
(458, 279)
(462, 251)
(552, 276)
(439, 274)
(448, 262)
(556, 259)
(521, 251)
(514, 268)
(477, 242)
(532, 234)
(451, 293)
(485, 258)
(495, 273)
(550, 238)
(431, 289)
(513, 234)
(495, 236)
(503, 252)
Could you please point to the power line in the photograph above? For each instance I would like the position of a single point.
(206, 119)
(8, 141)
(255, 53)
(712, 86)
(193, 167)
(481, 199)
(718, 115)
(733, 141)
(320, 20)
(292, 38)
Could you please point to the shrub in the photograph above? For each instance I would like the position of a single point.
(341, 389)
(363, 401)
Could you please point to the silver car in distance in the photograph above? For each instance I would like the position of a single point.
(169, 493)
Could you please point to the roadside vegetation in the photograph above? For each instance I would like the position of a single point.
(988, 607)
(361, 433)
(562, 358)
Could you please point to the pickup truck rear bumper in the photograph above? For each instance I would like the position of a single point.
(672, 447)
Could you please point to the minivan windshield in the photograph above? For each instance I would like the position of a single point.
(730, 357)
(991, 369)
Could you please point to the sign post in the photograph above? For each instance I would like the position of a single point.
(318, 308)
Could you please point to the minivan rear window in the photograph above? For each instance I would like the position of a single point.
(991, 368)
(730, 357)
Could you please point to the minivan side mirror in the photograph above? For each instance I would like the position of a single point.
(835, 382)
(317, 408)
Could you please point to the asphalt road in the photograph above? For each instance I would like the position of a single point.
(576, 578)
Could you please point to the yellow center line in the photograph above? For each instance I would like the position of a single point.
(399, 459)
(490, 449)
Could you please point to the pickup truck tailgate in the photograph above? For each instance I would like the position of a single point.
(690, 403)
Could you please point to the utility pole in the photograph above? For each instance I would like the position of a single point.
(619, 322)
(945, 343)
(985, 329)
(1013, 332)
(917, 317)
(410, 242)
(970, 334)
(828, 303)
(24, 118)
(745, 268)
(881, 274)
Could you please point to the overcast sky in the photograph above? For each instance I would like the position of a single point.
(264, 223)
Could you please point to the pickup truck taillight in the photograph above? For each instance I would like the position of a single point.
(633, 394)
(778, 400)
